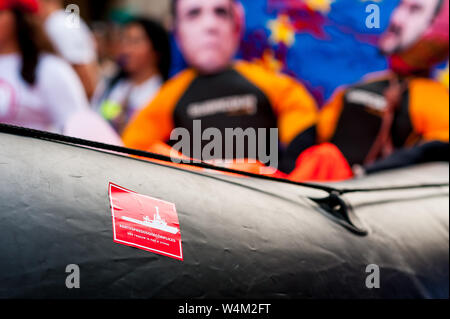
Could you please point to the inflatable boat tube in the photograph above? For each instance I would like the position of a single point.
(239, 237)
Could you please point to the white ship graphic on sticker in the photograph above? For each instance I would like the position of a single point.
(156, 223)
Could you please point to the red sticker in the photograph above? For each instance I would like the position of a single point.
(146, 223)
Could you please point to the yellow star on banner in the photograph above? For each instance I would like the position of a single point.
(323, 6)
(282, 30)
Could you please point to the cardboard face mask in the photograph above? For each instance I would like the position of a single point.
(417, 37)
(208, 32)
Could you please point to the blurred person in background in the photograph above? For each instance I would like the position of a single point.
(223, 93)
(73, 40)
(399, 117)
(145, 62)
(39, 90)
(107, 37)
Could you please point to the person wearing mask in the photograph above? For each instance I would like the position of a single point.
(221, 92)
(39, 90)
(145, 62)
(399, 117)
(72, 39)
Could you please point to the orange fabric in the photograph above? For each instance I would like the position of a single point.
(321, 163)
(329, 116)
(295, 107)
(429, 109)
(248, 166)
(155, 123)
(164, 149)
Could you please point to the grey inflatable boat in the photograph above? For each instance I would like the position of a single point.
(241, 237)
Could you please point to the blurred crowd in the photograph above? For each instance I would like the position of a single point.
(110, 82)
